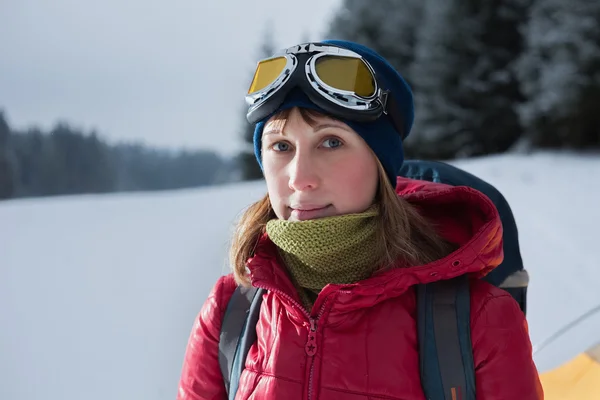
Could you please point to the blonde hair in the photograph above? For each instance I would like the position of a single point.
(404, 236)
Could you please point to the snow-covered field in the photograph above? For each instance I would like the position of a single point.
(98, 293)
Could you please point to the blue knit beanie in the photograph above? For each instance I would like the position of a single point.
(380, 135)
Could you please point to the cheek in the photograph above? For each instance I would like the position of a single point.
(277, 188)
(356, 185)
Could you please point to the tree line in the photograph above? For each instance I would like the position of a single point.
(66, 160)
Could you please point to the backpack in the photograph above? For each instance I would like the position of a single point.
(443, 308)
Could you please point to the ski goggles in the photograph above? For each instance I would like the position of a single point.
(338, 80)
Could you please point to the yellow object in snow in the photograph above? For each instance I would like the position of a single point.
(578, 379)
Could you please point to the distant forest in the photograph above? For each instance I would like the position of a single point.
(65, 160)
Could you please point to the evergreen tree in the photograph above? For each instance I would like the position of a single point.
(467, 88)
(7, 184)
(559, 73)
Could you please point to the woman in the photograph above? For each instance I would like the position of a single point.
(339, 242)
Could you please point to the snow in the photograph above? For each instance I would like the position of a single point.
(98, 293)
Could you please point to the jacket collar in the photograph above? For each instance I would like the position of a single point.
(463, 216)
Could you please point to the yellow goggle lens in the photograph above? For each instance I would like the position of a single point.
(266, 72)
(345, 73)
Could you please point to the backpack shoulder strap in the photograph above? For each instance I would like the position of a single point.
(237, 334)
(444, 332)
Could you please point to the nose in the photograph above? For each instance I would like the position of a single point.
(303, 173)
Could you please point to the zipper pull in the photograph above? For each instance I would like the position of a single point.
(311, 343)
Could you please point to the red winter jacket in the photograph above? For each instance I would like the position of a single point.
(365, 335)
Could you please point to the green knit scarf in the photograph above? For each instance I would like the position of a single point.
(335, 249)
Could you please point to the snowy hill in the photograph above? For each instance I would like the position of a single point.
(98, 293)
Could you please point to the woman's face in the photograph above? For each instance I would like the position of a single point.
(317, 170)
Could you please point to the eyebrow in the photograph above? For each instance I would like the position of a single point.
(316, 128)
(273, 132)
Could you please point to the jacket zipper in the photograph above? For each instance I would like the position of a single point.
(311, 347)
(311, 344)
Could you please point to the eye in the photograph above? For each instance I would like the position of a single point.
(280, 146)
(332, 143)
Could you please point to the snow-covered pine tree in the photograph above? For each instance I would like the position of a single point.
(560, 74)
(466, 86)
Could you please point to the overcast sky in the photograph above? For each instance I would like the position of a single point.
(169, 73)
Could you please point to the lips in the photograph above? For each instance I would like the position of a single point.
(306, 212)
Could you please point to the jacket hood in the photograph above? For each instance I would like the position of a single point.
(463, 216)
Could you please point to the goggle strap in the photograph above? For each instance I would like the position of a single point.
(391, 109)
(384, 100)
